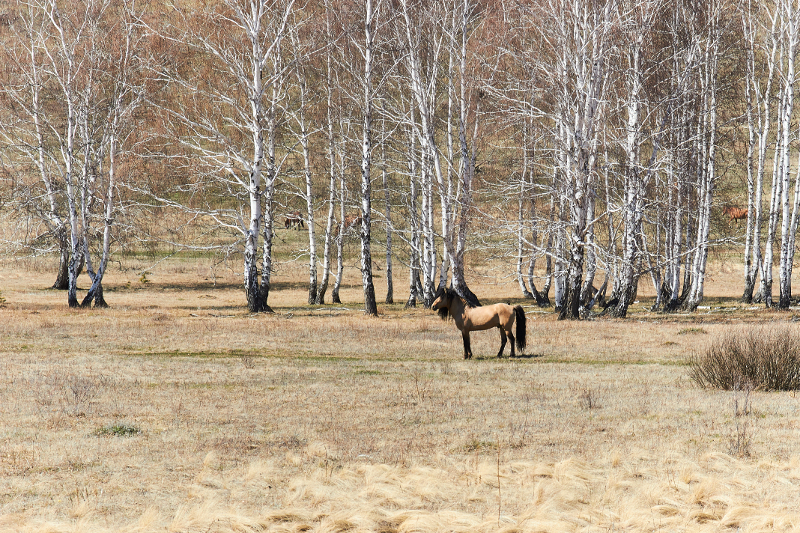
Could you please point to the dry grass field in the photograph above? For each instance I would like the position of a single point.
(175, 410)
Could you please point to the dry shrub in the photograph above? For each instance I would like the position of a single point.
(764, 358)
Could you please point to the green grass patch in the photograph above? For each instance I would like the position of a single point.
(118, 430)
(613, 362)
(692, 331)
(194, 354)
(479, 445)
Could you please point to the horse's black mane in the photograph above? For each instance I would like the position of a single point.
(444, 312)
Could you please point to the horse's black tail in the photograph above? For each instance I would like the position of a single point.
(520, 337)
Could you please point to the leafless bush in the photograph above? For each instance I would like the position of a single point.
(588, 397)
(79, 390)
(764, 358)
(421, 385)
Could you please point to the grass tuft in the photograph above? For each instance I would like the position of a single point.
(742, 440)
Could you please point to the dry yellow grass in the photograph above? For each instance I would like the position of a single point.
(323, 420)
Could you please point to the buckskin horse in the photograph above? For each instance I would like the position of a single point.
(468, 318)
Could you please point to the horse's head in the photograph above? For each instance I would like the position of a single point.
(441, 304)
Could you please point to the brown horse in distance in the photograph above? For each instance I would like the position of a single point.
(467, 318)
(294, 220)
(351, 221)
(736, 213)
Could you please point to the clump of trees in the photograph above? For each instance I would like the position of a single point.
(593, 137)
(72, 91)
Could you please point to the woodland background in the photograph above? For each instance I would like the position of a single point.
(583, 143)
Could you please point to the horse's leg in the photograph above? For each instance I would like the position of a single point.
(467, 347)
(502, 343)
(511, 340)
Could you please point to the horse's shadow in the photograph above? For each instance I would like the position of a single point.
(506, 357)
(528, 356)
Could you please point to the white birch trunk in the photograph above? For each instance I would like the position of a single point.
(632, 208)
(759, 113)
(309, 186)
(337, 283)
(772, 224)
(64, 66)
(415, 291)
(370, 305)
(468, 159)
(322, 288)
(521, 198)
(788, 225)
(388, 216)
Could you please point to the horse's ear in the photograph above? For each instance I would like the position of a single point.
(439, 293)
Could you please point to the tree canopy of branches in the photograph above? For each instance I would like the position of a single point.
(578, 140)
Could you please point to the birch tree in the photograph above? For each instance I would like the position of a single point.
(63, 65)
(24, 130)
(469, 129)
(654, 74)
(332, 166)
(301, 52)
(415, 289)
(437, 34)
(356, 57)
(789, 14)
(683, 58)
(365, 81)
(121, 91)
(635, 29)
(229, 125)
(387, 203)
